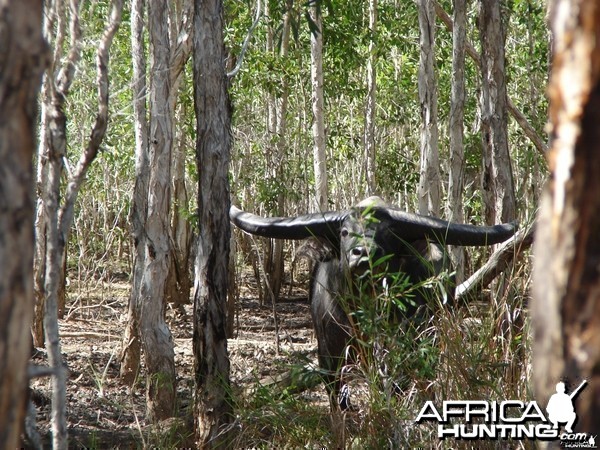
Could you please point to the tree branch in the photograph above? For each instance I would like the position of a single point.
(99, 129)
(67, 71)
(238, 66)
(498, 262)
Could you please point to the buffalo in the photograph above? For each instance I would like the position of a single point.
(368, 238)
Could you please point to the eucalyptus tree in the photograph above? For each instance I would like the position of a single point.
(22, 62)
(179, 281)
(456, 129)
(566, 287)
(318, 107)
(130, 352)
(53, 143)
(275, 152)
(212, 402)
(532, 133)
(169, 47)
(57, 215)
(371, 103)
(153, 242)
(497, 178)
(429, 192)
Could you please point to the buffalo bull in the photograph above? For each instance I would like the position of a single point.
(409, 244)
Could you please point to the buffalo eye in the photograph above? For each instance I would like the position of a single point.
(344, 232)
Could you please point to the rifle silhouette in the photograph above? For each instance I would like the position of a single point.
(579, 388)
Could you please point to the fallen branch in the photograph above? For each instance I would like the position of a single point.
(498, 262)
(87, 334)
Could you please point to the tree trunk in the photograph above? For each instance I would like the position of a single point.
(213, 407)
(429, 190)
(131, 347)
(178, 280)
(316, 76)
(22, 60)
(53, 143)
(59, 218)
(157, 343)
(39, 260)
(170, 48)
(528, 130)
(273, 266)
(51, 280)
(457, 107)
(566, 287)
(371, 106)
(498, 185)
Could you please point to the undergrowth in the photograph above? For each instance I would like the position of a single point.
(474, 351)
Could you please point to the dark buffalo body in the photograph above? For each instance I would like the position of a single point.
(409, 244)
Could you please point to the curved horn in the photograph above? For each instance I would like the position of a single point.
(414, 226)
(325, 224)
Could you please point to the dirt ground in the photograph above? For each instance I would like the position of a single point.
(104, 413)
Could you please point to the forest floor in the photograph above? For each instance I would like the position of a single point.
(102, 412)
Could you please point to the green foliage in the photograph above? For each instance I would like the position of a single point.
(346, 41)
(458, 353)
(448, 352)
(100, 242)
(269, 419)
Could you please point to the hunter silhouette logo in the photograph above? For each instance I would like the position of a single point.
(560, 406)
(510, 419)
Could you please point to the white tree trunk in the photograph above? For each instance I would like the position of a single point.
(53, 143)
(457, 105)
(157, 343)
(529, 131)
(273, 264)
(131, 347)
(498, 185)
(59, 218)
(316, 72)
(429, 189)
(371, 105)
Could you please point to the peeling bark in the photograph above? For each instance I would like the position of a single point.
(213, 407)
(497, 184)
(429, 189)
(457, 113)
(566, 282)
(131, 347)
(23, 57)
(316, 76)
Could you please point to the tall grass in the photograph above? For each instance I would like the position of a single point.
(474, 351)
